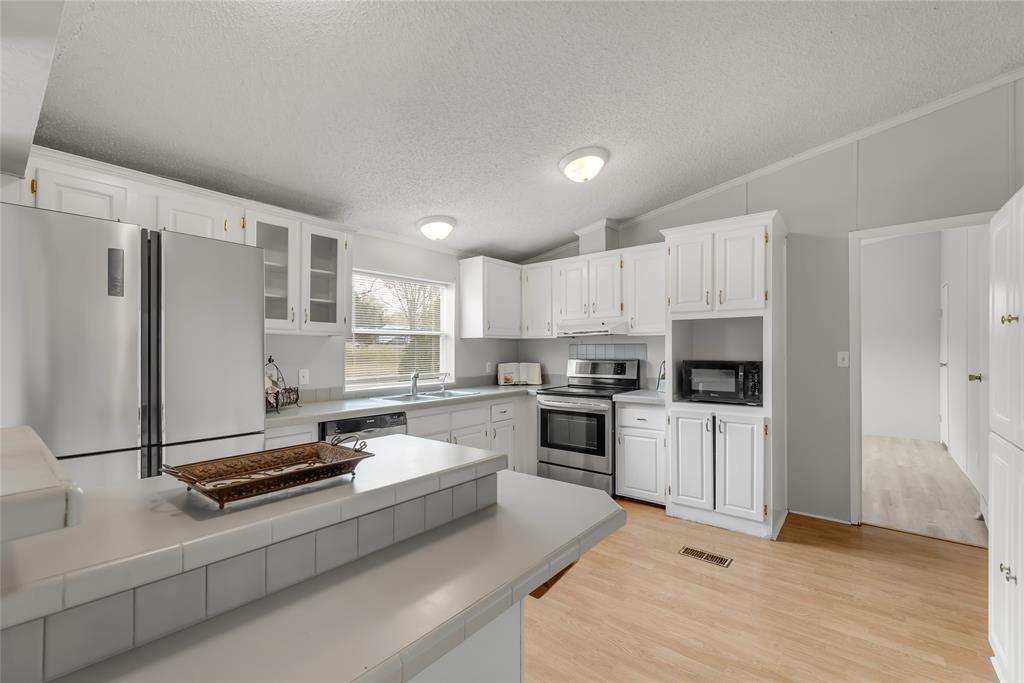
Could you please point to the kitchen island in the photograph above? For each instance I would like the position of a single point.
(445, 599)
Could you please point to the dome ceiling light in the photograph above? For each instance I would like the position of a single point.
(583, 164)
(436, 227)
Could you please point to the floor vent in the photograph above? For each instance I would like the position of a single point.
(719, 560)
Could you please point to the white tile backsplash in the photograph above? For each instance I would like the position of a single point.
(376, 531)
(464, 499)
(87, 633)
(291, 561)
(96, 582)
(438, 508)
(236, 581)
(169, 605)
(24, 603)
(336, 545)
(21, 652)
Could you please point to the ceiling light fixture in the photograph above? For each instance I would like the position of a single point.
(436, 227)
(583, 164)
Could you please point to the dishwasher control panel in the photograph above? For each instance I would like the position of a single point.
(366, 426)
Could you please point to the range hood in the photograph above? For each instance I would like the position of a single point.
(591, 328)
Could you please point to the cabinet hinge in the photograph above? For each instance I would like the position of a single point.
(766, 295)
(670, 250)
(33, 186)
(669, 299)
(766, 430)
(243, 222)
(766, 237)
(622, 307)
(670, 489)
(620, 263)
(766, 510)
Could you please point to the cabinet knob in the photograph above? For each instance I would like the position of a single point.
(1009, 318)
(720, 299)
(293, 314)
(707, 297)
(305, 313)
(721, 426)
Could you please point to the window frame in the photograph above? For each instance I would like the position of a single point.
(446, 334)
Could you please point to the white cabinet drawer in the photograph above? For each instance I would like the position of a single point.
(503, 411)
(428, 425)
(642, 417)
(469, 417)
(282, 437)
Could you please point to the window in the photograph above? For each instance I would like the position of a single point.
(398, 325)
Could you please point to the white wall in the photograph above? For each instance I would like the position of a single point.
(900, 280)
(965, 158)
(953, 270)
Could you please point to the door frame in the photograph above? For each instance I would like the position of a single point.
(944, 364)
(857, 239)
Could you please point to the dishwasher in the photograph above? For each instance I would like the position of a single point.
(364, 427)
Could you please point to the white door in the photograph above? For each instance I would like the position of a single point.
(944, 364)
(503, 440)
(573, 291)
(502, 305)
(537, 299)
(977, 359)
(606, 286)
(640, 464)
(199, 216)
(477, 436)
(739, 466)
(1006, 340)
(739, 268)
(280, 238)
(69, 193)
(644, 291)
(692, 466)
(690, 267)
(325, 282)
(1004, 539)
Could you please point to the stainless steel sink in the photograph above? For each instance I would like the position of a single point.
(407, 398)
(449, 393)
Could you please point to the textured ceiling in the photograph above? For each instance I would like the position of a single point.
(379, 114)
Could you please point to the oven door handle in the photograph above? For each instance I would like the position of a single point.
(578, 406)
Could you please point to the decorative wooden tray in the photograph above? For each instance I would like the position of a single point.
(225, 480)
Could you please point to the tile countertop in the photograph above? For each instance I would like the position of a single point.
(36, 494)
(388, 615)
(154, 526)
(321, 411)
(642, 396)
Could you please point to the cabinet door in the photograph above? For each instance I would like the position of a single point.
(639, 464)
(1004, 540)
(537, 300)
(692, 479)
(573, 291)
(477, 436)
(438, 436)
(325, 282)
(1006, 340)
(739, 268)
(739, 466)
(69, 193)
(280, 239)
(644, 291)
(690, 268)
(199, 216)
(503, 440)
(605, 274)
(502, 303)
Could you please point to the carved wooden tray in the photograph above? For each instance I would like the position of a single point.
(237, 477)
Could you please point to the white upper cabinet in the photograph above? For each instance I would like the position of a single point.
(280, 238)
(326, 280)
(739, 268)
(1006, 324)
(83, 194)
(573, 291)
(690, 272)
(644, 290)
(490, 298)
(195, 215)
(692, 467)
(739, 466)
(538, 320)
(605, 272)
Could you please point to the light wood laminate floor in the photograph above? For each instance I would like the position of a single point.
(916, 486)
(826, 602)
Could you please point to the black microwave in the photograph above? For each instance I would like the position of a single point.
(721, 381)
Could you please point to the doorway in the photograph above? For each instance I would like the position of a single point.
(918, 312)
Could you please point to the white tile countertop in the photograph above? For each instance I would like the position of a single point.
(647, 396)
(389, 615)
(153, 528)
(321, 411)
(36, 494)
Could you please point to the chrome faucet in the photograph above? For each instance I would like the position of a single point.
(444, 380)
(413, 380)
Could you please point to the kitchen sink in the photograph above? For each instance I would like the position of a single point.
(449, 393)
(407, 398)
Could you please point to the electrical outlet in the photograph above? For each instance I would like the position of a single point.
(303, 377)
(489, 368)
(843, 359)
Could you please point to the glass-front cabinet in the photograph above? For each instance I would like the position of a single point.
(325, 277)
(280, 237)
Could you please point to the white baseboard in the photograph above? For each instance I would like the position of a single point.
(827, 519)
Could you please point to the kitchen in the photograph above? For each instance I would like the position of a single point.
(620, 317)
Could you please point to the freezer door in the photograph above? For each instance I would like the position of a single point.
(100, 471)
(184, 454)
(211, 356)
(70, 329)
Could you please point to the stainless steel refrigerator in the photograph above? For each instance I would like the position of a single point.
(126, 348)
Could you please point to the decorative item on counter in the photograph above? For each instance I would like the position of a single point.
(225, 480)
(519, 373)
(278, 393)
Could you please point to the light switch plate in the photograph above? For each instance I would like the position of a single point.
(303, 377)
(843, 359)
(489, 368)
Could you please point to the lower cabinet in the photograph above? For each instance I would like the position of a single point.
(493, 426)
(692, 478)
(475, 436)
(640, 464)
(503, 440)
(1006, 558)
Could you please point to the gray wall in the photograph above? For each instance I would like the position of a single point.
(965, 158)
(900, 280)
(953, 271)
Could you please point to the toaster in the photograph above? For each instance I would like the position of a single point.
(519, 373)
